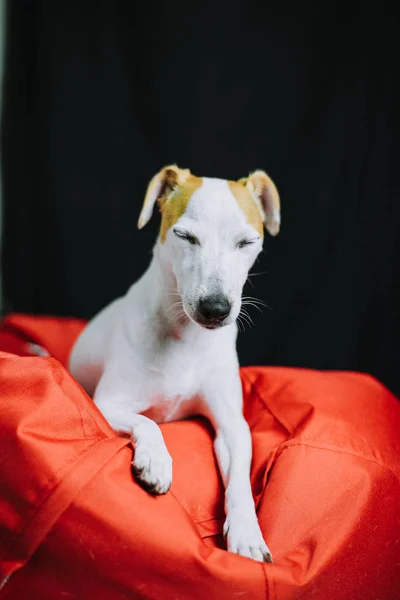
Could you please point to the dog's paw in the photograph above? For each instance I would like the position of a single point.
(244, 537)
(152, 466)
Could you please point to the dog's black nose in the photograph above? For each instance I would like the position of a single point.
(214, 309)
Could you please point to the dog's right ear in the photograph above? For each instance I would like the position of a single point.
(263, 188)
(159, 188)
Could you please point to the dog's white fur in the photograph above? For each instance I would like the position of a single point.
(146, 360)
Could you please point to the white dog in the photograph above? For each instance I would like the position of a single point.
(167, 350)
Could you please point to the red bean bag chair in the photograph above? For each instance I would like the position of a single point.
(75, 525)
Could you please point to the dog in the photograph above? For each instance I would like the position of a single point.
(167, 349)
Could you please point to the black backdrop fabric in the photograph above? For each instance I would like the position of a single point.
(100, 95)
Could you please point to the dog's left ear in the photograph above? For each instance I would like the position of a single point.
(265, 193)
(159, 189)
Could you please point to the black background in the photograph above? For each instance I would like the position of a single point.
(100, 95)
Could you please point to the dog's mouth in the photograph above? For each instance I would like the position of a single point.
(211, 323)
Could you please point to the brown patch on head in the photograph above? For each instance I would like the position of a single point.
(248, 205)
(174, 206)
(172, 189)
(265, 197)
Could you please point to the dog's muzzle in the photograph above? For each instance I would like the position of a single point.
(212, 311)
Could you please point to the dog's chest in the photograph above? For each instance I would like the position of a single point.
(172, 382)
(174, 395)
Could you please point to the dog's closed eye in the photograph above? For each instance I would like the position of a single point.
(186, 235)
(244, 243)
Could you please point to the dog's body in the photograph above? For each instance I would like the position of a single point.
(166, 350)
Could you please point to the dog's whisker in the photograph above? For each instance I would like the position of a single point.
(259, 308)
(175, 305)
(247, 303)
(251, 303)
(255, 301)
(248, 321)
(257, 274)
(245, 322)
(178, 310)
(173, 316)
(246, 315)
(178, 313)
(249, 317)
(240, 324)
(171, 322)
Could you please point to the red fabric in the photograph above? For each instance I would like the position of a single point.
(74, 524)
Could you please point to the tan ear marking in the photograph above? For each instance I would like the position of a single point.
(175, 206)
(248, 204)
(264, 190)
(158, 190)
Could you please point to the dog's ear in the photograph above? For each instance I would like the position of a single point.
(265, 193)
(159, 189)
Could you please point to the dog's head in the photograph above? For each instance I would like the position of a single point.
(211, 233)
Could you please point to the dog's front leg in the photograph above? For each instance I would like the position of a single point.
(152, 463)
(233, 448)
